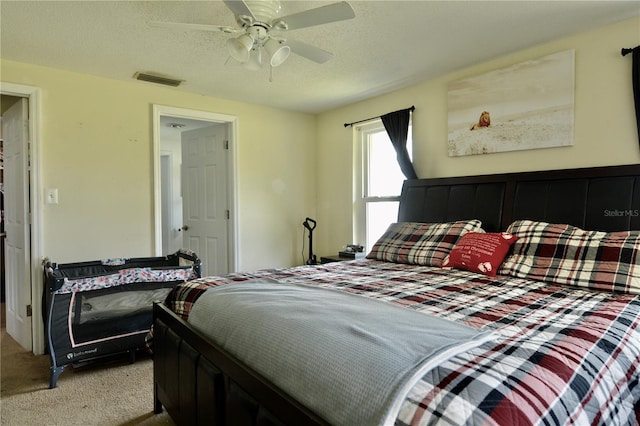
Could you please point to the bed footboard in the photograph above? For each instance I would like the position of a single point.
(199, 383)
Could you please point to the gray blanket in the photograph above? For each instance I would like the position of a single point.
(350, 359)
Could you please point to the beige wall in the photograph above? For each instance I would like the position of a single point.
(96, 148)
(604, 126)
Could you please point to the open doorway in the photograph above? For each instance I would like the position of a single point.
(16, 250)
(194, 183)
(6, 102)
(174, 133)
(23, 216)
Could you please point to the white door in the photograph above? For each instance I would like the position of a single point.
(204, 196)
(15, 127)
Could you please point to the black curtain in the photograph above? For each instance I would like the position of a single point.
(635, 75)
(397, 126)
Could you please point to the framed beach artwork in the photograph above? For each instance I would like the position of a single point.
(528, 105)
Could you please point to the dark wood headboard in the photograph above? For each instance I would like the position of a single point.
(595, 198)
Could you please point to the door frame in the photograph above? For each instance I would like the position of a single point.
(35, 205)
(160, 111)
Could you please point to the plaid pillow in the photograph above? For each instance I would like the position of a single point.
(420, 243)
(564, 254)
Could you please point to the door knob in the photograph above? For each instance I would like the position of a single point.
(184, 228)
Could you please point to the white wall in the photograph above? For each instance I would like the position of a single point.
(171, 146)
(604, 126)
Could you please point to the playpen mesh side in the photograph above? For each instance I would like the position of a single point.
(97, 309)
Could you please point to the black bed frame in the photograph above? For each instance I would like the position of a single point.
(199, 383)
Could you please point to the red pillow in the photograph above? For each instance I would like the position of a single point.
(480, 252)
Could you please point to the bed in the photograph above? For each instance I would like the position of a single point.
(543, 265)
(104, 307)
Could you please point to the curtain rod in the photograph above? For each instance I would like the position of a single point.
(626, 51)
(372, 118)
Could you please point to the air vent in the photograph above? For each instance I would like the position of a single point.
(158, 79)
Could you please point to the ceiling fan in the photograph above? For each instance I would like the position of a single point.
(258, 19)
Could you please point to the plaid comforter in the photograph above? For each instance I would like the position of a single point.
(568, 355)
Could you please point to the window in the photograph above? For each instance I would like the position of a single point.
(378, 182)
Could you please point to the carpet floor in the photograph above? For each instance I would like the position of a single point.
(109, 393)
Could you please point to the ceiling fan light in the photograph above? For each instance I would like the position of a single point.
(255, 60)
(278, 53)
(240, 47)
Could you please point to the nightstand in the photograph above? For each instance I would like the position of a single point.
(336, 258)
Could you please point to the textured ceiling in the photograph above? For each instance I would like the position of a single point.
(389, 44)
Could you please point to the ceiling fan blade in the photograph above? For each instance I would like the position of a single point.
(321, 15)
(196, 27)
(308, 51)
(239, 8)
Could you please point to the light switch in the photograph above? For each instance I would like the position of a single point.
(52, 196)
